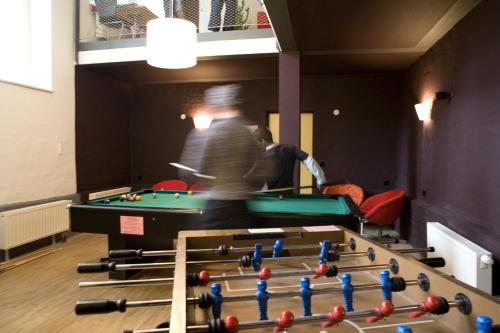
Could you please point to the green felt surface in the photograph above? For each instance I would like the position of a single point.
(304, 204)
(260, 203)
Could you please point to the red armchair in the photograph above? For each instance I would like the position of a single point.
(383, 208)
(171, 184)
(197, 187)
(354, 191)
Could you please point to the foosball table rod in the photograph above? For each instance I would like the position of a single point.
(221, 250)
(203, 277)
(434, 305)
(204, 300)
(245, 261)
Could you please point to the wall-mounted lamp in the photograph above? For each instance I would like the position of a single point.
(424, 109)
(202, 121)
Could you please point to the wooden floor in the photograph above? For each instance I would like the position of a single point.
(40, 296)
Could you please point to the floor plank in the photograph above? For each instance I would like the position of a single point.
(39, 296)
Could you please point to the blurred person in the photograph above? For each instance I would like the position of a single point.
(216, 15)
(227, 152)
(285, 157)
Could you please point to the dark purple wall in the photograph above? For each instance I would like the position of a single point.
(101, 130)
(455, 158)
(358, 146)
(158, 134)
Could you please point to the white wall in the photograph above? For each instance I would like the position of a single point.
(37, 128)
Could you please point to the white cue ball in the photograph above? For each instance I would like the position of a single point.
(177, 195)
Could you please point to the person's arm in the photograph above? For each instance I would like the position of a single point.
(312, 165)
(316, 170)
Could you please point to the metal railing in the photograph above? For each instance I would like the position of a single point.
(102, 20)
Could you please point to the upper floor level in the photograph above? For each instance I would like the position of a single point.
(115, 30)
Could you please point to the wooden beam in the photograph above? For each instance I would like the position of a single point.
(277, 11)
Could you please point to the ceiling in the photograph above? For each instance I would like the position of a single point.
(362, 35)
(332, 36)
(207, 70)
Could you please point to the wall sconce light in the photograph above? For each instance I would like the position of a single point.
(202, 121)
(424, 110)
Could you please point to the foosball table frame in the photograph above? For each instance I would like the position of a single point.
(407, 266)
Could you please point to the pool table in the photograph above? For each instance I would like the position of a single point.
(155, 220)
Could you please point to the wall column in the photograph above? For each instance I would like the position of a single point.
(289, 100)
(289, 97)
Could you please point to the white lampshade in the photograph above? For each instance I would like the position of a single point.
(171, 43)
(202, 121)
(424, 110)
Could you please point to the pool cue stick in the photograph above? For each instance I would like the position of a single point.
(183, 167)
(194, 171)
(291, 188)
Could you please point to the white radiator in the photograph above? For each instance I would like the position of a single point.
(465, 260)
(24, 225)
(108, 193)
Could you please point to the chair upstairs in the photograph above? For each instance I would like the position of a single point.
(171, 184)
(106, 14)
(354, 191)
(383, 208)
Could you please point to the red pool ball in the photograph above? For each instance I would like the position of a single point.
(190, 192)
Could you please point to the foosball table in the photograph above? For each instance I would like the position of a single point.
(300, 279)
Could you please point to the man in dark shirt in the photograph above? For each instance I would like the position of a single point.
(284, 157)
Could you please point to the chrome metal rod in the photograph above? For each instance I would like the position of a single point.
(245, 249)
(256, 275)
(126, 283)
(272, 294)
(353, 254)
(303, 319)
(153, 265)
(154, 302)
(171, 253)
(362, 268)
(158, 330)
(116, 254)
(293, 273)
(416, 250)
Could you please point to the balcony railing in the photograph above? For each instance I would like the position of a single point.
(106, 20)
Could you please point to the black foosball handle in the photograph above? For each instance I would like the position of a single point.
(434, 262)
(100, 306)
(125, 254)
(97, 267)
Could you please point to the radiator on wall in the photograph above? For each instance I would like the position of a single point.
(24, 225)
(465, 260)
(107, 193)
